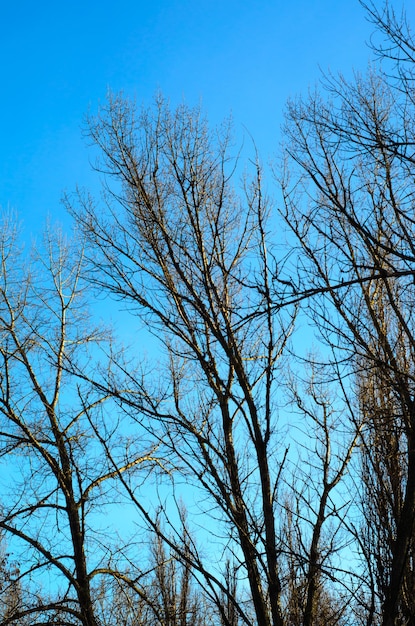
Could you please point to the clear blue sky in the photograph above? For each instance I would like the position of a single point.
(246, 57)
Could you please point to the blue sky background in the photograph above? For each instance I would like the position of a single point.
(243, 57)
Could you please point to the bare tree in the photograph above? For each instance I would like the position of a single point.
(173, 590)
(349, 198)
(384, 460)
(194, 260)
(163, 593)
(56, 475)
(318, 583)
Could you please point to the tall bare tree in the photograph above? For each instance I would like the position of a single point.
(349, 199)
(384, 458)
(194, 260)
(55, 473)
